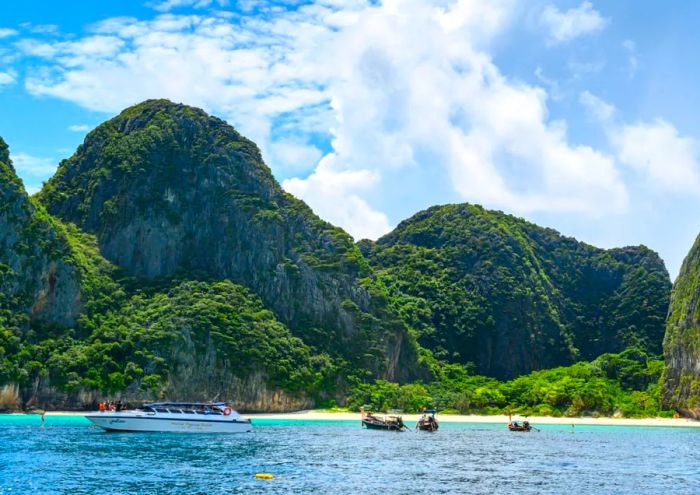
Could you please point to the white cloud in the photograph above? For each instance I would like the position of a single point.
(418, 117)
(334, 194)
(34, 166)
(79, 127)
(563, 27)
(656, 151)
(598, 108)
(6, 32)
(7, 78)
(37, 48)
(74, 53)
(406, 103)
(291, 156)
(661, 159)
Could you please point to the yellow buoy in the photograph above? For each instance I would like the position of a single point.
(264, 476)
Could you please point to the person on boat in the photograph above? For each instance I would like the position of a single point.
(101, 407)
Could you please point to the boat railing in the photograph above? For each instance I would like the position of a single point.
(214, 409)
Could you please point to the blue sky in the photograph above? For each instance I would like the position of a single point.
(577, 115)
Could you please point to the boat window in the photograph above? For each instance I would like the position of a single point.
(176, 411)
(200, 412)
(188, 411)
(216, 412)
(148, 409)
(161, 410)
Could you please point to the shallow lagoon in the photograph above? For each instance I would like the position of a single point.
(67, 455)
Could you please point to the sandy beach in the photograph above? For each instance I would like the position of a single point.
(322, 415)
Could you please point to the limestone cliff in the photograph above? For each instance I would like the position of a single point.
(169, 189)
(37, 280)
(682, 341)
(510, 297)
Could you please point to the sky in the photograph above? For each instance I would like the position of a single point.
(576, 115)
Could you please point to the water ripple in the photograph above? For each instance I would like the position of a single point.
(67, 456)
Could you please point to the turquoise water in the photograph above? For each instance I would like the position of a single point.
(68, 456)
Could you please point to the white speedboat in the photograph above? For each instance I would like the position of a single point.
(214, 417)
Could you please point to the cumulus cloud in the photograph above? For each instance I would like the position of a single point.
(415, 118)
(407, 103)
(334, 193)
(563, 27)
(657, 151)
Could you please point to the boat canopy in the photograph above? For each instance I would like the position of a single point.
(429, 411)
(186, 404)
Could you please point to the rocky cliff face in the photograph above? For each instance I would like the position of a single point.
(37, 281)
(511, 297)
(681, 389)
(251, 394)
(168, 189)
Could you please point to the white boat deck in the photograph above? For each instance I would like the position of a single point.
(174, 417)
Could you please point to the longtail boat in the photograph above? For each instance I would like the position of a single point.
(515, 426)
(388, 422)
(428, 422)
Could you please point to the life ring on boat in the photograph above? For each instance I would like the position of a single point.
(227, 411)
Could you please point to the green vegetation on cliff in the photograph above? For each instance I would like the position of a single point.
(625, 384)
(682, 341)
(490, 289)
(39, 275)
(196, 335)
(166, 188)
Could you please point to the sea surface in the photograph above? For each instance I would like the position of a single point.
(69, 456)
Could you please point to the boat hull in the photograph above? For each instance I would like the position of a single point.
(519, 428)
(426, 426)
(383, 426)
(124, 422)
